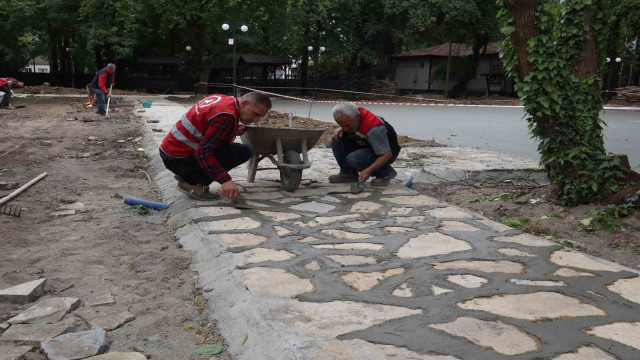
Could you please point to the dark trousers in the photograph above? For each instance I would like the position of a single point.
(188, 168)
(353, 158)
(6, 100)
(100, 100)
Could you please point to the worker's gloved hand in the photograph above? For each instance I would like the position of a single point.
(337, 133)
(107, 94)
(229, 190)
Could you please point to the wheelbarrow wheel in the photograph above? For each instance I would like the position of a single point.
(291, 178)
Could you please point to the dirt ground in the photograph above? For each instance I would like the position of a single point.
(524, 200)
(106, 247)
(58, 90)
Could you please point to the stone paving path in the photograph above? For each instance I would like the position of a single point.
(391, 274)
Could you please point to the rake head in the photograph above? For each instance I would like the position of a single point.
(13, 210)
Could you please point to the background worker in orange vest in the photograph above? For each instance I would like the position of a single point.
(6, 84)
(365, 145)
(199, 149)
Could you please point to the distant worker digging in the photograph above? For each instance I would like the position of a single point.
(103, 78)
(6, 84)
(365, 145)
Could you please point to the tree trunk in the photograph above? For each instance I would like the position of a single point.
(524, 20)
(446, 80)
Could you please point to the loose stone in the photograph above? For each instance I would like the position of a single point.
(525, 239)
(353, 260)
(34, 334)
(456, 226)
(345, 235)
(75, 345)
(24, 293)
(46, 311)
(515, 252)
(119, 356)
(627, 288)
(279, 216)
(106, 318)
(582, 261)
(14, 352)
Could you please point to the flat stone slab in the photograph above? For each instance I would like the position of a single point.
(351, 246)
(281, 231)
(525, 239)
(439, 290)
(502, 338)
(399, 211)
(586, 353)
(46, 311)
(449, 225)
(626, 333)
(260, 255)
(401, 190)
(487, 266)
(515, 252)
(495, 226)
(34, 334)
(346, 235)
(362, 350)
(324, 220)
(365, 207)
(627, 288)
(363, 281)
(8, 352)
(75, 345)
(279, 216)
(361, 224)
(566, 272)
(313, 206)
(449, 212)
(417, 200)
(275, 281)
(119, 356)
(409, 219)
(582, 261)
(330, 199)
(537, 282)
(216, 211)
(100, 300)
(263, 196)
(106, 318)
(398, 229)
(431, 244)
(308, 239)
(313, 266)
(23, 293)
(403, 290)
(362, 195)
(353, 260)
(533, 307)
(332, 319)
(243, 223)
(467, 280)
(242, 239)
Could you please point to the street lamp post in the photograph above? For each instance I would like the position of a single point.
(73, 83)
(243, 28)
(195, 71)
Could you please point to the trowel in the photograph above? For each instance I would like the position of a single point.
(355, 187)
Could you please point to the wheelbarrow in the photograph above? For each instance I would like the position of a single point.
(287, 144)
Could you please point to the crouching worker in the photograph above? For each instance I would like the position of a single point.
(365, 145)
(6, 84)
(199, 149)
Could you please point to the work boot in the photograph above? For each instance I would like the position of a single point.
(384, 180)
(343, 178)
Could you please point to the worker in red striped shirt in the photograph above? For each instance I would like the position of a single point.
(6, 84)
(200, 147)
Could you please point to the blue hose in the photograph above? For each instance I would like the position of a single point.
(149, 204)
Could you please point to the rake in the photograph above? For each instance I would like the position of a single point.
(12, 210)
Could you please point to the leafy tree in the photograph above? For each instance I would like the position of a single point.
(555, 50)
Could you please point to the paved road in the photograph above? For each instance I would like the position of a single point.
(488, 128)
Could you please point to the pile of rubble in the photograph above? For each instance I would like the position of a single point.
(55, 327)
(629, 93)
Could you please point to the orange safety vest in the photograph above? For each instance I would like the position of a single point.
(186, 134)
(369, 120)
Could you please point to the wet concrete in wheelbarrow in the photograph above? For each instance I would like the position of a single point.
(388, 273)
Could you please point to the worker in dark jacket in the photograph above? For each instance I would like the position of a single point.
(364, 145)
(103, 79)
(6, 84)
